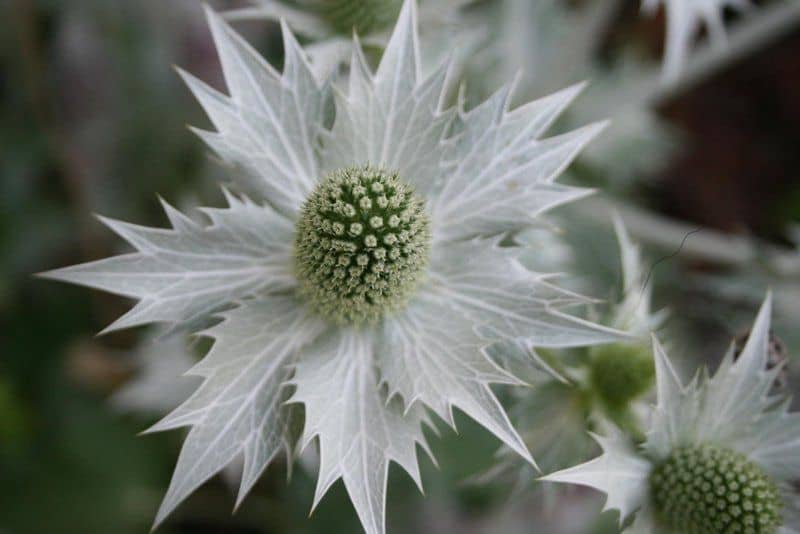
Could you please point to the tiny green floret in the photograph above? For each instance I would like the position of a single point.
(363, 16)
(361, 245)
(619, 373)
(708, 490)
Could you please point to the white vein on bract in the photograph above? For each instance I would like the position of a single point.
(501, 174)
(359, 433)
(734, 407)
(270, 125)
(488, 285)
(239, 408)
(392, 119)
(182, 274)
(431, 355)
(620, 472)
(737, 407)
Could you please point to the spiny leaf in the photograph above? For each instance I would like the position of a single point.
(182, 275)
(359, 432)
(239, 408)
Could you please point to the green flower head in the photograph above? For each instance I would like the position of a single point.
(706, 490)
(362, 243)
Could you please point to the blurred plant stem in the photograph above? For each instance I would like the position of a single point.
(694, 241)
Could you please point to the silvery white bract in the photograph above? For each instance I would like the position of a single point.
(331, 43)
(685, 18)
(633, 314)
(561, 395)
(529, 37)
(733, 410)
(629, 310)
(365, 390)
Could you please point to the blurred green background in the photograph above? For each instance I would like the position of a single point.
(92, 120)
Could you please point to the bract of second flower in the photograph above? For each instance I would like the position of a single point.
(720, 454)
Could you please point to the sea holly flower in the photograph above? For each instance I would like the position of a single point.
(361, 270)
(685, 19)
(719, 455)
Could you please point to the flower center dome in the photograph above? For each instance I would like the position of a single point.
(362, 243)
(708, 490)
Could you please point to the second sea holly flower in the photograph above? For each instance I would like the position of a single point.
(720, 453)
